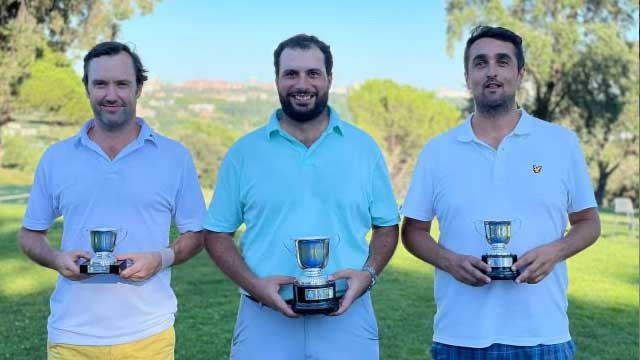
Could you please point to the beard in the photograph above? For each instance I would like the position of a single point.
(112, 122)
(303, 116)
(493, 107)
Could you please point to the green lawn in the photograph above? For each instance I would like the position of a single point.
(603, 300)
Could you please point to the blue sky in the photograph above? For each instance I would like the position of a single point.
(403, 40)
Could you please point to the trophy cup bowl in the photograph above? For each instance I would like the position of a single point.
(313, 293)
(103, 243)
(498, 234)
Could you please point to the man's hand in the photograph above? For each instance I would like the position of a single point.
(358, 282)
(66, 263)
(537, 263)
(265, 290)
(467, 269)
(145, 265)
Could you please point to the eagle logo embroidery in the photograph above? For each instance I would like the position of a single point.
(537, 169)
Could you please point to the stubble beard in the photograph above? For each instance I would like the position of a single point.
(322, 99)
(493, 108)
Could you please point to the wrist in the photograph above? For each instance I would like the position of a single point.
(374, 276)
(167, 257)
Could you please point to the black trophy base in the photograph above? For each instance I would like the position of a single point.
(315, 299)
(498, 272)
(94, 269)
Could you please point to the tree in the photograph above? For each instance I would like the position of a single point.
(208, 143)
(28, 27)
(580, 68)
(401, 119)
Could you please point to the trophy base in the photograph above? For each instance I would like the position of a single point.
(95, 269)
(315, 299)
(501, 272)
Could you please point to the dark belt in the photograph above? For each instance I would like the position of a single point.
(289, 302)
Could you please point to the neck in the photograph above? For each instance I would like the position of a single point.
(112, 141)
(492, 128)
(306, 132)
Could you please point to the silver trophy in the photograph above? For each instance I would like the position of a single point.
(313, 293)
(498, 234)
(103, 243)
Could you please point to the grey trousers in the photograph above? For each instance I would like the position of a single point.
(263, 333)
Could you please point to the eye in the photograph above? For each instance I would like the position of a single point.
(314, 74)
(122, 85)
(479, 63)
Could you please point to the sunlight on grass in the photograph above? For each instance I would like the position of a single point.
(20, 277)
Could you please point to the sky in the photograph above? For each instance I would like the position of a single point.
(402, 40)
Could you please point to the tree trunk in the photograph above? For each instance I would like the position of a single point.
(603, 177)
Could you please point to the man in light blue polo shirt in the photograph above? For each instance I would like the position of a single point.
(115, 173)
(500, 164)
(305, 173)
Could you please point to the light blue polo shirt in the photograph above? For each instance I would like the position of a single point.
(150, 182)
(280, 189)
(537, 175)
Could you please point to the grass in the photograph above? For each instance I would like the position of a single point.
(603, 300)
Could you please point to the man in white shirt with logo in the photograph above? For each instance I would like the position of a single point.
(500, 164)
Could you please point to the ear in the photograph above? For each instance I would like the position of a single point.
(330, 78)
(139, 91)
(466, 80)
(521, 75)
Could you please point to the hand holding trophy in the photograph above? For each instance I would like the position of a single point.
(103, 243)
(313, 293)
(498, 234)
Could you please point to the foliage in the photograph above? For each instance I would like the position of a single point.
(401, 119)
(208, 142)
(54, 90)
(20, 154)
(581, 69)
(28, 27)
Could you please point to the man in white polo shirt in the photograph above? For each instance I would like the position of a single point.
(500, 164)
(116, 173)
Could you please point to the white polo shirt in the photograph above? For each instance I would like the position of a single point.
(150, 182)
(537, 176)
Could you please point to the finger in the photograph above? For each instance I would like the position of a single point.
(345, 303)
(526, 275)
(525, 260)
(282, 306)
(282, 280)
(123, 257)
(476, 276)
(342, 274)
(480, 265)
(130, 271)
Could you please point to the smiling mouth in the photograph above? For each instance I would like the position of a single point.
(492, 86)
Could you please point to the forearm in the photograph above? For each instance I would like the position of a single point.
(585, 229)
(187, 246)
(225, 255)
(384, 241)
(37, 247)
(419, 242)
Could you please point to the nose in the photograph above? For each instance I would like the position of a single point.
(492, 70)
(110, 93)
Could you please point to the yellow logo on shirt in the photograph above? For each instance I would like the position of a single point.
(537, 168)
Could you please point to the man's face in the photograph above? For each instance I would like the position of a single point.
(493, 75)
(112, 90)
(303, 83)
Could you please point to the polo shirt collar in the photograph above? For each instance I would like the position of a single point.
(146, 132)
(335, 124)
(523, 127)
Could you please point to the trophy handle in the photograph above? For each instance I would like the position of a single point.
(289, 240)
(121, 234)
(517, 225)
(479, 226)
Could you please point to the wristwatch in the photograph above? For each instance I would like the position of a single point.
(374, 276)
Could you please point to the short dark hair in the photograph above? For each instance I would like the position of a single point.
(498, 33)
(111, 48)
(303, 41)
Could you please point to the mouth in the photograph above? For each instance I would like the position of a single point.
(493, 86)
(302, 99)
(111, 108)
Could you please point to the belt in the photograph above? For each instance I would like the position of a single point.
(289, 302)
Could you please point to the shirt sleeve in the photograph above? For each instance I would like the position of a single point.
(581, 194)
(42, 209)
(383, 206)
(189, 202)
(418, 203)
(225, 210)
